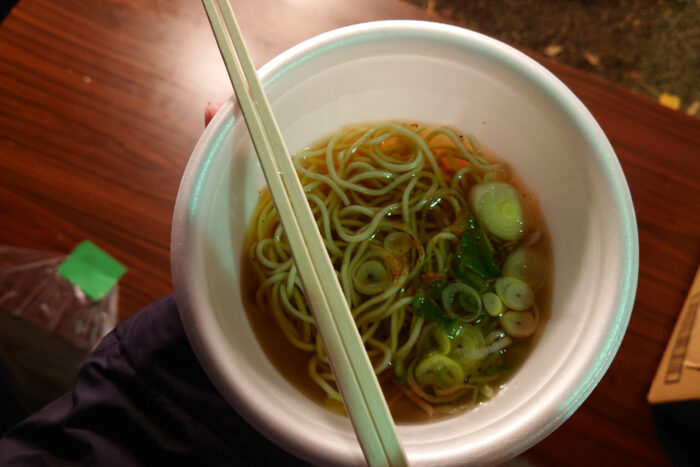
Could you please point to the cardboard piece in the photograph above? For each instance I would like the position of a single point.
(678, 376)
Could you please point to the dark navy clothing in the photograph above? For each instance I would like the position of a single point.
(141, 398)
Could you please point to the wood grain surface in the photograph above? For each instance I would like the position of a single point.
(101, 103)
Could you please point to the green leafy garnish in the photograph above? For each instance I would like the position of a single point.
(429, 311)
(477, 252)
(468, 276)
(436, 287)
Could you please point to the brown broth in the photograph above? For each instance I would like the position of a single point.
(292, 362)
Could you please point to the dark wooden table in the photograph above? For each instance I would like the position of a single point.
(101, 103)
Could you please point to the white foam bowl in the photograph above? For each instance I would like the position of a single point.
(437, 74)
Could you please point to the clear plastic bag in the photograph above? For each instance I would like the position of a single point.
(47, 325)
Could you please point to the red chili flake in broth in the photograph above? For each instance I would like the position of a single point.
(431, 277)
(395, 271)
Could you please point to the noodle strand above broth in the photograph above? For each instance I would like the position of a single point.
(437, 253)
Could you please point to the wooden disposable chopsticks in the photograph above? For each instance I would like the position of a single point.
(351, 366)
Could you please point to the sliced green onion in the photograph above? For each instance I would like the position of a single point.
(439, 370)
(466, 297)
(371, 278)
(493, 336)
(479, 353)
(518, 323)
(515, 293)
(499, 208)
(493, 304)
(470, 354)
(433, 340)
(468, 334)
(500, 344)
(471, 303)
(528, 265)
(398, 243)
(468, 348)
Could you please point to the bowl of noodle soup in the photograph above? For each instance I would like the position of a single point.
(406, 135)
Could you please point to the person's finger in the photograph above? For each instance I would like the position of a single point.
(210, 110)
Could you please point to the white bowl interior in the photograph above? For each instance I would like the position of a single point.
(435, 74)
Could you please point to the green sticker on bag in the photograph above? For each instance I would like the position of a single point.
(91, 269)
